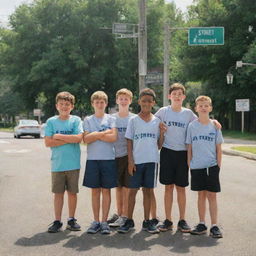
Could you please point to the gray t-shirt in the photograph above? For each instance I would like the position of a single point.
(121, 125)
(145, 136)
(204, 139)
(99, 150)
(177, 123)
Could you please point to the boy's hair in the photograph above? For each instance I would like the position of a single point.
(203, 98)
(99, 95)
(124, 91)
(147, 91)
(65, 96)
(177, 86)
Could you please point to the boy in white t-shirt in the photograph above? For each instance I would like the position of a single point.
(145, 135)
(204, 158)
(100, 173)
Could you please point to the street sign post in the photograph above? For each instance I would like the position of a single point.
(154, 78)
(206, 36)
(242, 105)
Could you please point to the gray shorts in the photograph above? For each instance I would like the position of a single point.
(67, 180)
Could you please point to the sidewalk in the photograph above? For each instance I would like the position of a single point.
(230, 142)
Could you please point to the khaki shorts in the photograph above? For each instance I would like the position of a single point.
(122, 171)
(67, 180)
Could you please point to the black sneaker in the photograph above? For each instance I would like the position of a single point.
(113, 218)
(155, 221)
(215, 232)
(183, 226)
(167, 225)
(55, 226)
(148, 226)
(126, 227)
(73, 226)
(199, 229)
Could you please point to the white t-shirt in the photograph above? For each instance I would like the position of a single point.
(177, 123)
(100, 150)
(144, 136)
(121, 125)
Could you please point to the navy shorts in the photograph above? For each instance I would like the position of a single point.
(205, 179)
(145, 176)
(100, 174)
(122, 171)
(173, 167)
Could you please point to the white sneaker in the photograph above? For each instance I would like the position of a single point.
(119, 222)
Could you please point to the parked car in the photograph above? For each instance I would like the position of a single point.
(27, 127)
(43, 129)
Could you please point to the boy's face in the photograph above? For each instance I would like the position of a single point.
(99, 105)
(146, 103)
(203, 107)
(177, 97)
(64, 107)
(123, 100)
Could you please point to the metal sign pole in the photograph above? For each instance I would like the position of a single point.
(167, 35)
(242, 122)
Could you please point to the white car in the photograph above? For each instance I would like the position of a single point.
(27, 127)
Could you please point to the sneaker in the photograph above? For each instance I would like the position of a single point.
(55, 226)
(155, 221)
(199, 229)
(215, 232)
(104, 227)
(126, 227)
(167, 225)
(94, 228)
(113, 218)
(73, 226)
(119, 222)
(148, 226)
(183, 226)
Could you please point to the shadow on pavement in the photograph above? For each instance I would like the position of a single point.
(140, 241)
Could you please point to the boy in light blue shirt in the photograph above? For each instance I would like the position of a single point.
(204, 158)
(63, 133)
(145, 134)
(100, 173)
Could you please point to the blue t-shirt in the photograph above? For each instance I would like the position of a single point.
(144, 136)
(121, 143)
(177, 123)
(65, 157)
(100, 150)
(204, 139)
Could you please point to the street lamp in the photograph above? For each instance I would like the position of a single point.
(230, 78)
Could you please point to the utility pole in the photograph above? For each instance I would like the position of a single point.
(142, 44)
(167, 37)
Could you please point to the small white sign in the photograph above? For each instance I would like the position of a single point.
(37, 112)
(242, 105)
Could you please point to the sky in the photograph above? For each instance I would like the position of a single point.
(8, 6)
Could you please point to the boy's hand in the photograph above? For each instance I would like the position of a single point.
(162, 127)
(131, 168)
(57, 136)
(217, 124)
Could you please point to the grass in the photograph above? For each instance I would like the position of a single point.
(239, 135)
(250, 149)
(6, 129)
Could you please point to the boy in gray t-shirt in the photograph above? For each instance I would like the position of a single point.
(204, 158)
(100, 172)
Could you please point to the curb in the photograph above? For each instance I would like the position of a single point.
(232, 152)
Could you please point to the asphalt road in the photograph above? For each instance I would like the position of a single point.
(26, 209)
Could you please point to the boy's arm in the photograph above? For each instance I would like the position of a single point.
(109, 135)
(131, 165)
(219, 154)
(189, 154)
(68, 138)
(217, 124)
(163, 129)
(89, 137)
(50, 142)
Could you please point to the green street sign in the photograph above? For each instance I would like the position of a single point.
(206, 36)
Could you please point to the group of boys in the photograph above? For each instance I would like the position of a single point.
(123, 153)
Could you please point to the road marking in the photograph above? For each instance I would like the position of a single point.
(17, 151)
(4, 142)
